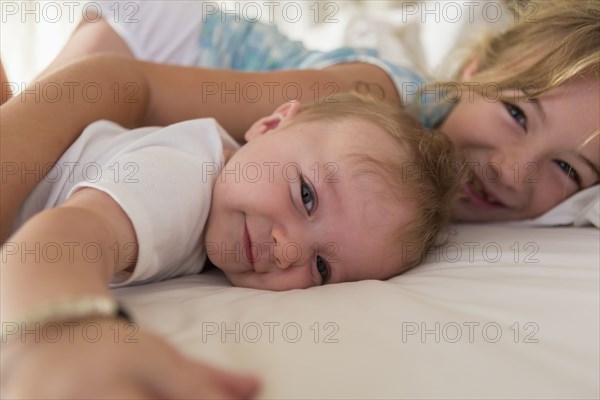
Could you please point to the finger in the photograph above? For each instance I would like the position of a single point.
(129, 391)
(241, 386)
(175, 377)
(228, 385)
(184, 386)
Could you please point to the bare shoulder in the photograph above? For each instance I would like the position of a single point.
(92, 36)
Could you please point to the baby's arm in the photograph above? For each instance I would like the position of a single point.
(123, 362)
(88, 217)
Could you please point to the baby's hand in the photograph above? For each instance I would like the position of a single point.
(133, 366)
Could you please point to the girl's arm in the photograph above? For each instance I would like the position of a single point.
(237, 99)
(38, 125)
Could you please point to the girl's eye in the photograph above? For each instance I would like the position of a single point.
(569, 171)
(323, 270)
(517, 114)
(307, 195)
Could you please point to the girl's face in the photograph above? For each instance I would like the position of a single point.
(524, 156)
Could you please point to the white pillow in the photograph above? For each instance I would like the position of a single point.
(581, 209)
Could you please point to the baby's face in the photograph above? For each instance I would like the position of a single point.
(289, 210)
(523, 156)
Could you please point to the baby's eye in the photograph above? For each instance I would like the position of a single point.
(517, 114)
(323, 270)
(307, 195)
(568, 170)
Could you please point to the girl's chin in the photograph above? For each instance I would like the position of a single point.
(466, 212)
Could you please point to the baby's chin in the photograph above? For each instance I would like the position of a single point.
(242, 281)
(212, 261)
(252, 280)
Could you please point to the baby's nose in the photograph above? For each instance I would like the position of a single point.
(290, 254)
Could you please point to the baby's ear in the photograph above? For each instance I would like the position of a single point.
(265, 124)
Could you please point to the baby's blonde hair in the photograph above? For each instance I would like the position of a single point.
(425, 176)
(557, 41)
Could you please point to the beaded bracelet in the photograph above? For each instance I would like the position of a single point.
(68, 310)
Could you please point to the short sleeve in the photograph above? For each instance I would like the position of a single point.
(164, 184)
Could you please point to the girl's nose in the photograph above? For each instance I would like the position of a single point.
(512, 167)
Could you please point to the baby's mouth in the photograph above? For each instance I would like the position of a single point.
(247, 242)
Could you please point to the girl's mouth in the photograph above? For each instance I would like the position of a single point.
(476, 193)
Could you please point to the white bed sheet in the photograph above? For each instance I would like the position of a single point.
(364, 339)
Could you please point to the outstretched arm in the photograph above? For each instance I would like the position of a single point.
(121, 361)
(36, 128)
(89, 216)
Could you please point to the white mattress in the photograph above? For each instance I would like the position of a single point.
(498, 323)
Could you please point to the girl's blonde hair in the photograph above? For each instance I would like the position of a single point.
(425, 175)
(556, 41)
